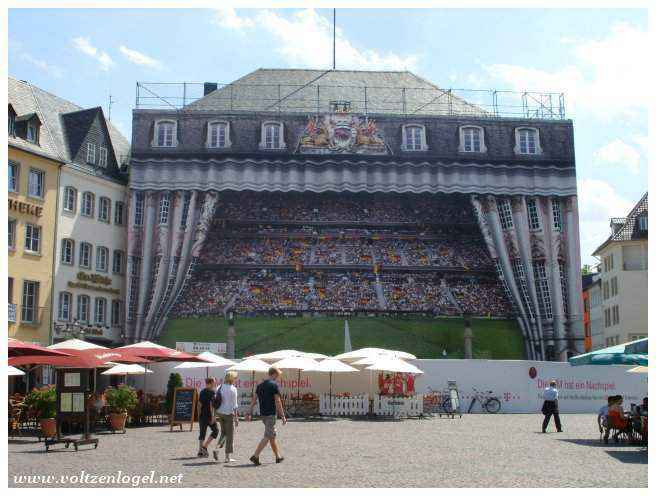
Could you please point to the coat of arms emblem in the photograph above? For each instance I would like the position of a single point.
(339, 133)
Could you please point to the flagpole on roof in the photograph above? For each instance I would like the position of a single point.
(334, 35)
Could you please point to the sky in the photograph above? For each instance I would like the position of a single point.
(596, 57)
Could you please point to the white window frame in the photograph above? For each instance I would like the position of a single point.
(82, 257)
(406, 146)
(70, 204)
(174, 134)
(91, 153)
(41, 183)
(119, 213)
(186, 204)
(544, 291)
(281, 135)
(35, 133)
(11, 233)
(139, 204)
(107, 216)
(34, 307)
(31, 238)
(83, 308)
(518, 148)
(100, 311)
(15, 166)
(505, 214)
(102, 156)
(533, 214)
(463, 139)
(68, 247)
(118, 254)
(64, 309)
(102, 258)
(556, 215)
(85, 195)
(164, 208)
(226, 141)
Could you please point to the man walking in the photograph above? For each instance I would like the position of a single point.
(206, 417)
(268, 394)
(550, 407)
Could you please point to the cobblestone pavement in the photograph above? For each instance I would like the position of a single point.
(477, 450)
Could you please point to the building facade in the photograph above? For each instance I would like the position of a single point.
(87, 250)
(358, 132)
(623, 277)
(592, 312)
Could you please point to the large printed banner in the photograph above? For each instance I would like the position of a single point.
(518, 384)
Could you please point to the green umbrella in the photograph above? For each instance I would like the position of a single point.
(631, 353)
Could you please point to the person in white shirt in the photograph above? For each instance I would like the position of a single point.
(227, 415)
(550, 407)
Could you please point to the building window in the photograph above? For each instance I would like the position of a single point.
(613, 286)
(91, 153)
(520, 275)
(100, 311)
(102, 157)
(11, 231)
(138, 209)
(505, 214)
(557, 215)
(32, 133)
(29, 307)
(70, 199)
(132, 303)
(68, 252)
(11, 124)
(117, 262)
(186, 202)
(104, 209)
(102, 254)
(13, 177)
(165, 132)
(472, 139)
(414, 138)
(83, 308)
(85, 255)
(533, 214)
(65, 300)
(527, 141)
(272, 133)
(119, 208)
(135, 269)
(116, 313)
(218, 135)
(88, 203)
(32, 238)
(542, 286)
(35, 183)
(616, 315)
(642, 222)
(164, 203)
(563, 287)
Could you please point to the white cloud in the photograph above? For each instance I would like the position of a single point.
(305, 40)
(84, 45)
(50, 69)
(598, 202)
(609, 78)
(617, 153)
(139, 58)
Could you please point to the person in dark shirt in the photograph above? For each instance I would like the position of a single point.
(268, 395)
(206, 417)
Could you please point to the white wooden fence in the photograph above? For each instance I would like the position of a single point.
(398, 406)
(341, 406)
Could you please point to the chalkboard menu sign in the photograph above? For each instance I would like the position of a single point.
(184, 407)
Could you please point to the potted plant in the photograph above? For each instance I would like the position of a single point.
(43, 402)
(119, 401)
(175, 381)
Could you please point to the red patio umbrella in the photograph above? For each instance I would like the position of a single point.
(77, 359)
(157, 353)
(18, 348)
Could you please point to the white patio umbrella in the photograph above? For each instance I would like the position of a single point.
(331, 365)
(14, 371)
(213, 361)
(297, 363)
(387, 364)
(640, 369)
(76, 344)
(277, 355)
(127, 369)
(251, 365)
(374, 352)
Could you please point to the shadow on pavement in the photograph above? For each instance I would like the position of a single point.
(585, 442)
(639, 456)
(199, 464)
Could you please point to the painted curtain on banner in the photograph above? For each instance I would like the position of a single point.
(166, 232)
(534, 243)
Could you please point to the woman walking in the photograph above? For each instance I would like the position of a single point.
(227, 416)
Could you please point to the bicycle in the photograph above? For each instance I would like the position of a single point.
(490, 404)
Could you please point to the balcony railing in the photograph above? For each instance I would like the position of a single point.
(313, 98)
(12, 312)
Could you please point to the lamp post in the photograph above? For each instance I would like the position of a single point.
(230, 346)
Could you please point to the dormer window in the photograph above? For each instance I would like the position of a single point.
(11, 127)
(91, 153)
(527, 141)
(32, 132)
(27, 127)
(102, 156)
(272, 136)
(472, 139)
(165, 134)
(414, 138)
(218, 135)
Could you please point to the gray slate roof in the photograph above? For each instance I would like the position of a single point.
(295, 90)
(27, 98)
(630, 230)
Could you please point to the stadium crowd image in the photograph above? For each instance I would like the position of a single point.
(353, 192)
